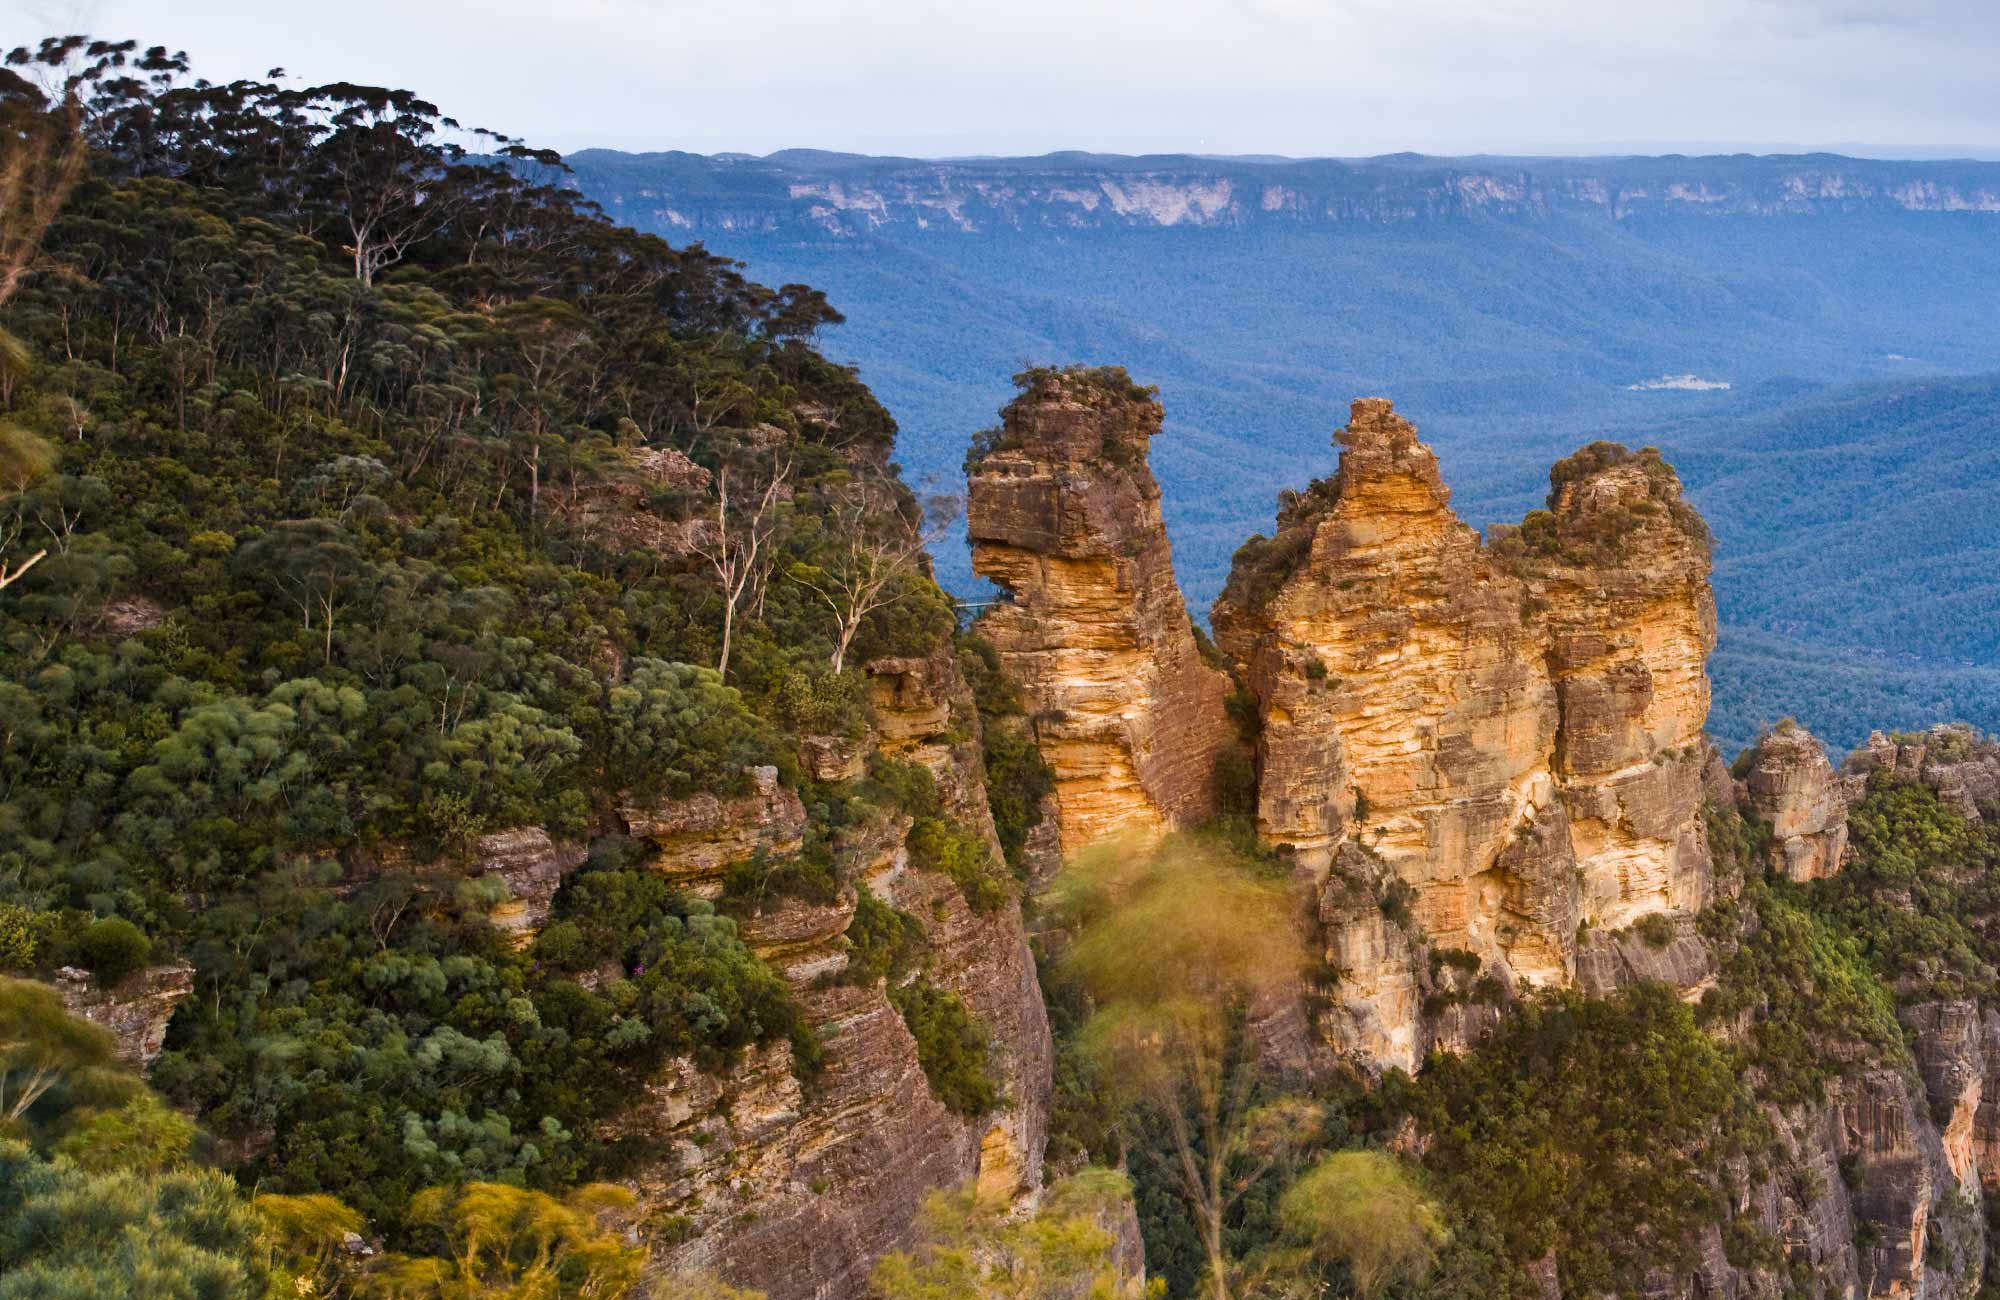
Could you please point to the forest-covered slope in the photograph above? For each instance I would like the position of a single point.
(423, 591)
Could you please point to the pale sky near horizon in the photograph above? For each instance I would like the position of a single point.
(1301, 77)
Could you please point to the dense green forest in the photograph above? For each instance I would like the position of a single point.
(313, 423)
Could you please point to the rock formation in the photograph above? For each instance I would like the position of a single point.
(1064, 516)
(1486, 761)
(697, 839)
(532, 864)
(622, 511)
(1952, 759)
(136, 1010)
(1512, 733)
(1792, 786)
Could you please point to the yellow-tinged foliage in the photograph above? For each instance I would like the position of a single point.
(1364, 1209)
(301, 1237)
(42, 153)
(971, 1250)
(52, 1063)
(144, 1136)
(1169, 940)
(1173, 943)
(509, 1243)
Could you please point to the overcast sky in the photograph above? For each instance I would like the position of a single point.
(1304, 77)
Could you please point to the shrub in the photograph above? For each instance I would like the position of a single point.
(1395, 903)
(938, 844)
(951, 1047)
(1656, 929)
(24, 936)
(1364, 1209)
(113, 948)
(882, 941)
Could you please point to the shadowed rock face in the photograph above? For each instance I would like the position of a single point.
(1064, 515)
(1511, 732)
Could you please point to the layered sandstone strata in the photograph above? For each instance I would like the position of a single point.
(1064, 515)
(1617, 572)
(1499, 744)
(792, 1189)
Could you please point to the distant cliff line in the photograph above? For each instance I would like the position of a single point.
(814, 194)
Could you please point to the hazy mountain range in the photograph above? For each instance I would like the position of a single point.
(1795, 332)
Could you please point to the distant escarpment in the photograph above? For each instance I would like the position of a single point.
(1500, 743)
(808, 193)
(1064, 515)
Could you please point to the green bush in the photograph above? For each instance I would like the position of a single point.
(25, 936)
(939, 844)
(1655, 928)
(1365, 1210)
(1017, 778)
(882, 941)
(113, 948)
(951, 1047)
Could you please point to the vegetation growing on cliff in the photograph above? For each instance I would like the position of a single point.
(969, 1249)
(1574, 528)
(1920, 892)
(1593, 1128)
(1803, 986)
(1100, 386)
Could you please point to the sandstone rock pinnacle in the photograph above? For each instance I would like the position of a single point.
(1512, 732)
(1064, 515)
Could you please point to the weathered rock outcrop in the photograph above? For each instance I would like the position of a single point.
(1792, 786)
(532, 865)
(697, 838)
(1673, 953)
(796, 1189)
(136, 1010)
(1953, 759)
(620, 510)
(1064, 515)
(1618, 572)
(1512, 732)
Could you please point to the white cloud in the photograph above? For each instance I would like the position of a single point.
(1289, 76)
